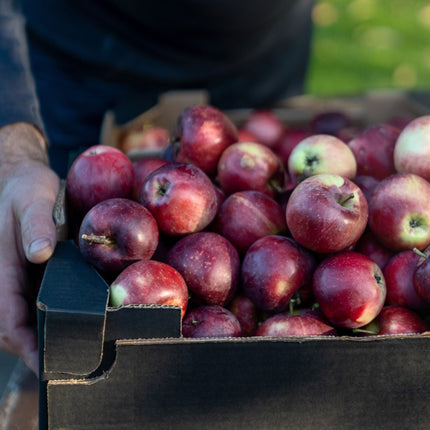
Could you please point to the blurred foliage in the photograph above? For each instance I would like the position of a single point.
(364, 44)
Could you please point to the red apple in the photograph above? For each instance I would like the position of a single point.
(142, 168)
(321, 153)
(265, 125)
(421, 276)
(245, 136)
(149, 282)
(203, 134)
(326, 213)
(246, 216)
(400, 121)
(399, 213)
(209, 264)
(367, 184)
(210, 321)
(273, 269)
(412, 149)
(291, 137)
(398, 320)
(146, 138)
(117, 232)
(99, 173)
(370, 246)
(181, 197)
(285, 325)
(250, 166)
(246, 312)
(399, 278)
(349, 288)
(373, 149)
(329, 122)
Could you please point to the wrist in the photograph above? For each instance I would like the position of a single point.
(20, 142)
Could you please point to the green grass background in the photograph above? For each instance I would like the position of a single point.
(366, 44)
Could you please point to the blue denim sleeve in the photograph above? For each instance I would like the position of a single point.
(18, 99)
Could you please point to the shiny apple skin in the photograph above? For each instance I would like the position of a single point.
(210, 321)
(149, 282)
(284, 325)
(399, 213)
(350, 289)
(317, 218)
(181, 197)
(209, 264)
(130, 227)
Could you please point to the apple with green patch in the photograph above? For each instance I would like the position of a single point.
(321, 153)
(399, 212)
(412, 149)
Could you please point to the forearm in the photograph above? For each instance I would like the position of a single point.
(18, 99)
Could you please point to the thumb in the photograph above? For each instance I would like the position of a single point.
(38, 230)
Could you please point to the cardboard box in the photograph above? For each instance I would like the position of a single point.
(129, 368)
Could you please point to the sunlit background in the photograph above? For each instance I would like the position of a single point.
(365, 44)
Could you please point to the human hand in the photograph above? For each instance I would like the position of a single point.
(28, 189)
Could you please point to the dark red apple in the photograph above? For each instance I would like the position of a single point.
(245, 136)
(209, 264)
(250, 166)
(210, 321)
(181, 197)
(204, 132)
(373, 149)
(149, 282)
(421, 276)
(289, 140)
(273, 269)
(246, 216)
(370, 246)
(326, 213)
(117, 232)
(142, 168)
(99, 173)
(265, 125)
(399, 320)
(246, 312)
(399, 213)
(284, 325)
(329, 122)
(367, 184)
(399, 278)
(349, 288)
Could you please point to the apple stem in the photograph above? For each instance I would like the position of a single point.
(346, 198)
(420, 253)
(102, 240)
(275, 185)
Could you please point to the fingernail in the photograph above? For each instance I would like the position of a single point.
(39, 245)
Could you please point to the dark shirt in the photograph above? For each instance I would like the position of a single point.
(90, 56)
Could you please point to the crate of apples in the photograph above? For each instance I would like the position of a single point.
(265, 228)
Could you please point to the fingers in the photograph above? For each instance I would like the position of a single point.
(17, 336)
(27, 233)
(38, 231)
(34, 213)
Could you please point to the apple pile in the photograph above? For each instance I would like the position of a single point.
(265, 229)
